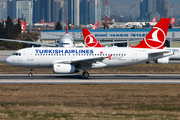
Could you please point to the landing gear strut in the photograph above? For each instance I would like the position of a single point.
(30, 72)
(85, 74)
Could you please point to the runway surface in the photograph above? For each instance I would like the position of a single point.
(93, 79)
(4, 54)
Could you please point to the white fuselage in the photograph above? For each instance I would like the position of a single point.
(48, 56)
(176, 55)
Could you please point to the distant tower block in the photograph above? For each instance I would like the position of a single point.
(106, 11)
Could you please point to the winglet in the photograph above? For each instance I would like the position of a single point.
(89, 39)
(156, 37)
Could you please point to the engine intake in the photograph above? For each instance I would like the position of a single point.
(163, 60)
(64, 69)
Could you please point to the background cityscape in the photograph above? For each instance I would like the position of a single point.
(83, 12)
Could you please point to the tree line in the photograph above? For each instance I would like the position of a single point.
(11, 31)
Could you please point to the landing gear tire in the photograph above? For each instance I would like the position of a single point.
(85, 74)
(30, 74)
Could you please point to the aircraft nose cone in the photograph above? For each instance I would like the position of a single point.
(8, 60)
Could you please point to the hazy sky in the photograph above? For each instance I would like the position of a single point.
(123, 7)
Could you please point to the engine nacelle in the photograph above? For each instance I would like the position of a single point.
(163, 60)
(64, 69)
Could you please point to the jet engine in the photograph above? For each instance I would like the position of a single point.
(162, 60)
(64, 69)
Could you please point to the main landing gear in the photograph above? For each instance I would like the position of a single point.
(30, 72)
(85, 74)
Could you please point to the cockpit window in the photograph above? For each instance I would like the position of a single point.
(65, 43)
(17, 54)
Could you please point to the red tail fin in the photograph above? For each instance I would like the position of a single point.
(23, 26)
(172, 21)
(89, 39)
(154, 20)
(96, 26)
(67, 24)
(156, 37)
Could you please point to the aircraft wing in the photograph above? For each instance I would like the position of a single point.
(29, 42)
(165, 53)
(159, 52)
(84, 62)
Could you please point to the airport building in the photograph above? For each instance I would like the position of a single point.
(132, 36)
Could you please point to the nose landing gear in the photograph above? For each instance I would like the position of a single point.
(30, 72)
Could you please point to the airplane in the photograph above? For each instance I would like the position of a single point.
(140, 24)
(96, 26)
(172, 21)
(65, 41)
(153, 23)
(23, 26)
(94, 55)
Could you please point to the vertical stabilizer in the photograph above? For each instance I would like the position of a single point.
(154, 20)
(89, 39)
(156, 37)
(67, 24)
(23, 26)
(96, 26)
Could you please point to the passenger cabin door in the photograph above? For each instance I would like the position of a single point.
(134, 55)
(30, 55)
